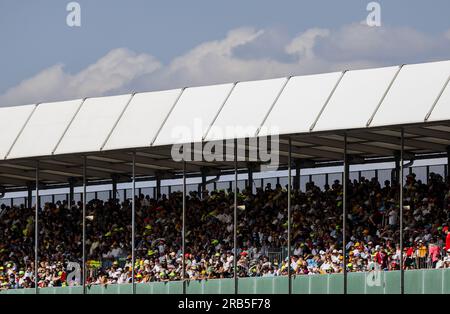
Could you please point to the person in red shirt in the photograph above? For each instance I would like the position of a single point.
(381, 257)
(408, 258)
(447, 239)
(434, 252)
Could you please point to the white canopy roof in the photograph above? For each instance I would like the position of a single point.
(193, 114)
(413, 94)
(92, 125)
(356, 99)
(314, 110)
(44, 129)
(14, 121)
(142, 119)
(245, 109)
(303, 97)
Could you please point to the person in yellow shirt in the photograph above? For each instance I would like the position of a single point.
(421, 255)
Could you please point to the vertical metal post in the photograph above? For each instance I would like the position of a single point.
(29, 195)
(158, 188)
(203, 185)
(114, 187)
(133, 223)
(402, 274)
(297, 176)
(289, 216)
(250, 177)
(84, 224)
(183, 236)
(344, 212)
(235, 274)
(36, 232)
(447, 173)
(397, 169)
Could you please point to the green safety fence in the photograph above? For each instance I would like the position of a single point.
(429, 281)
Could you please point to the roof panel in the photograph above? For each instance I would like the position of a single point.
(142, 119)
(193, 114)
(92, 124)
(14, 118)
(46, 126)
(355, 99)
(245, 109)
(413, 93)
(441, 111)
(299, 104)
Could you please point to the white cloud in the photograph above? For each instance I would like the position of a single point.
(303, 45)
(108, 74)
(239, 56)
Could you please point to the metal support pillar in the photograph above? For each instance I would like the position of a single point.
(183, 235)
(402, 272)
(133, 222)
(289, 216)
(448, 165)
(36, 233)
(114, 187)
(297, 176)
(397, 169)
(158, 188)
(203, 183)
(250, 177)
(29, 195)
(71, 191)
(235, 274)
(84, 198)
(344, 212)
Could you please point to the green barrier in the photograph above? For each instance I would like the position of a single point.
(336, 283)
(300, 285)
(432, 282)
(428, 281)
(246, 285)
(446, 279)
(356, 283)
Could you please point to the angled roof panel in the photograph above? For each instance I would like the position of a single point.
(441, 111)
(245, 109)
(355, 99)
(299, 104)
(14, 120)
(193, 114)
(142, 119)
(46, 126)
(413, 94)
(92, 124)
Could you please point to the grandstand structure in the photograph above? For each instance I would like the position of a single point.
(395, 114)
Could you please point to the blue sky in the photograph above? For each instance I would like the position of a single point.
(137, 45)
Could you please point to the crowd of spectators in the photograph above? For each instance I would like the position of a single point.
(372, 229)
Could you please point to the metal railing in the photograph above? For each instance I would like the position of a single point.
(320, 180)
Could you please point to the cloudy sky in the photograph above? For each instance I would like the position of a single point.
(145, 45)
